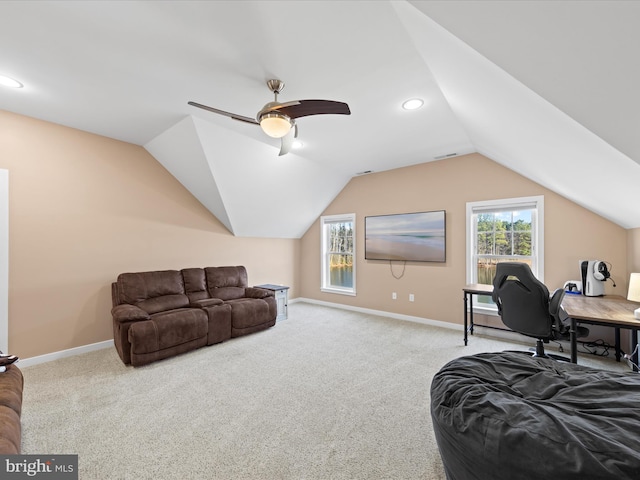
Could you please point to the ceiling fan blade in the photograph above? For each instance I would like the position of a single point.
(241, 118)
(287, 141)
(304, 108)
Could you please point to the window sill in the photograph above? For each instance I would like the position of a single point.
(351, 293)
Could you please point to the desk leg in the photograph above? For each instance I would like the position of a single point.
(471, 314)
(574, 343)
(617, 337)
(465, 319)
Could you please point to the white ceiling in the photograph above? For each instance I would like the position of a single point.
(547, 89)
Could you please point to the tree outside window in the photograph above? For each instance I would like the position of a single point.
(502, 237)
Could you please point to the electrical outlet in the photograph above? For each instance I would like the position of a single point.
(411, 297)
(394, 296)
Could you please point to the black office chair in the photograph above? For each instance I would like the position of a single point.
(525, 306)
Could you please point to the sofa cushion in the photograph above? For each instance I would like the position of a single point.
(195, 284)
(164, 303)
(249, 312)
(153, 291)
(226, 283)
(206, 302)
(168, 329)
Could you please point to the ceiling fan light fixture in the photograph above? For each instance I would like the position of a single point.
(275, 124)
(10, 82)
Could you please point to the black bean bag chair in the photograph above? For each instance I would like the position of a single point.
(511, 416)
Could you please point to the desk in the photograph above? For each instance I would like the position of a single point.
(609, 310)
(469, 291)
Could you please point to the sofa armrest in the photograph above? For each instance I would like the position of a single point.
(253, 292)
(11, 386)
(128, 313)
(206, 302)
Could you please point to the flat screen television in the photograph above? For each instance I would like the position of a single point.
(412, 237)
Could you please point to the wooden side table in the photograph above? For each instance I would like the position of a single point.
(281, 294)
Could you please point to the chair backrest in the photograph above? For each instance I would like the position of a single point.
(523, 300)
(558, 313)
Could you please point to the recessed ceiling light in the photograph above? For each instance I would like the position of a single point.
(9, 82)
(297, 144)
(413, 104)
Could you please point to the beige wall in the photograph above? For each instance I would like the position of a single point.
(633, 250)
(84, 208)
(572, 233)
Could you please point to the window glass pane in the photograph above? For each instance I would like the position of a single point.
(486, 270)
(502, 240)
(503, 220)
(485, 243)
(522, 243)
(340, 237)
(341, 271)
(522, 218)
(508, 249)
(485, 222)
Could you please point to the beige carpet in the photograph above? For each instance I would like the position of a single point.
(325, 394)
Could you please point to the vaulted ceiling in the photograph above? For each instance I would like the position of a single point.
(546, 88)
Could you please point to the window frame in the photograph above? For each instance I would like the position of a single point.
(325, 285)
(535, 203)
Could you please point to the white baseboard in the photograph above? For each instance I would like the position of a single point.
(27, 362)
(479, 329)
(397, 316)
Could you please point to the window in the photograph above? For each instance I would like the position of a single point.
(509, 230)
(338, 253)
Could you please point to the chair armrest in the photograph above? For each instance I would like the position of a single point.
(206, 302)
(253, 292)
(128, 313)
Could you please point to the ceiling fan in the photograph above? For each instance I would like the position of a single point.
(278, 119)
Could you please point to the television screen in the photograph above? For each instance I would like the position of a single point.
(413, 237)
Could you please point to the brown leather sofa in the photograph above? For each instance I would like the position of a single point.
(11, 384)
(161, 314)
